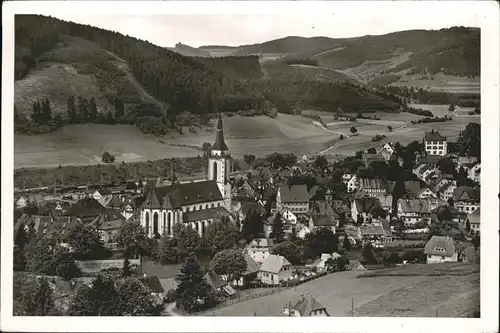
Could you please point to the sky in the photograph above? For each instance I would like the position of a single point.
(266, 22)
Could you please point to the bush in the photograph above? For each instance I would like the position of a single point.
(107, 157)
(378, 137)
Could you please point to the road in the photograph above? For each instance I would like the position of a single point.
(169, 310)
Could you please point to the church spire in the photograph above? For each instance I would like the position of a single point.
(219, 144)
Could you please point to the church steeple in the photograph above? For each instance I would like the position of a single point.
(219, 144)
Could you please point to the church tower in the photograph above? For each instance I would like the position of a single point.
(219, 164)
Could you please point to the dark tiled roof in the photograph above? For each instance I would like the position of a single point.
(412, 187)
(252, 265)
(176, 196)
(324, 220)
(366, 204)
(414, 205)
(466, 193)
(322, 208)
(219, 144)
(294, 193)
(205, 214)
(87, 207)
(434, 136)
(307, 304)
(153, 283)
(475, 217)
(252, 206)
(214, 280)
(268, 193)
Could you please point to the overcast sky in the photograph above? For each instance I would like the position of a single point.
(344, 19)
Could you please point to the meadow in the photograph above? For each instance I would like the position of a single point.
(410, 296)
(260, 135)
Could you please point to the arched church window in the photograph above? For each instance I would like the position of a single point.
(215, 173)
(147, 223)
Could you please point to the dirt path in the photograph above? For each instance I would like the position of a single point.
(169, 310)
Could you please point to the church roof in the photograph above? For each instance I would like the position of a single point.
(219, 144)
(178, 195)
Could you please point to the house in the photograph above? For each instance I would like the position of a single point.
(346, 177)
(293, 197)
(130, 207)
(259, 249)
(469, 254)
(275, 269)
(389, 147)
(21, 202)
(49, 226)
(435, 143)
(377, 233)
(412, 211)
(372, 187)
(306, 306)
(109, 225)
(386, 203)
(474, 173)
(446, 192)
(152, 283)
(86, 209)
(268, 194)
(465, 162)
(288, 224)
(219, 284)
(440, 249)
(250, 273)
(466, 199)
(428, 194)
(254, 207)
(101, 193)
(474, 220)
(369, 158)
(352, 184)
(367, 207)
(330, 222)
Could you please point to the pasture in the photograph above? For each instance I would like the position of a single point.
(413, 296)
(441, 82)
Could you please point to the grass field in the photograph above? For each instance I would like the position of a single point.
(409, 296)
(441, 82)
(260, 135)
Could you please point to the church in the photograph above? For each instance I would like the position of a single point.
(195, 203)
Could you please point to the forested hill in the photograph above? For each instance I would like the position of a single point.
(54, 57)
(182, 82)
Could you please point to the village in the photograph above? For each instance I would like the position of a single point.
(183, 247)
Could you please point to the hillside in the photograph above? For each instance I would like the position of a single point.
(182, 82)
(454, 51)
(190, 51)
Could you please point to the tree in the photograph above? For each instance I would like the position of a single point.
(126, 267)
(46, 111)
(249, 159)
(389, 128)
(83, 111)
(446, 166)
(99, 299)
(371, 150)
(451, 108)
(342, 262)
(192, 292)
(368, 254)
(469, 141)
(71, 109)
(109, 118)
(476, 241)
(206, 147)
(85, 242)
(278, 233)
(353, 130)
(187, 238)
(135, 299)
(134, 240)
(252, 225)
(119, 108)
(93, 109)
(321, 241)
(341, 137)
(64, 265)
(37, 299)
(39, 255)
(291, 250)
(360, 219)
(467, 225)
(444, 215)
(107, 157)
(168, 251)
(230, 263)
(347, 244)
(19, 259)
(220, 235)
(321, 162)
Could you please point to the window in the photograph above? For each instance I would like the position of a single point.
(442, 257)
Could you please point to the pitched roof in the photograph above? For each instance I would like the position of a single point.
(412, 187)
(372, 230)
(255, 206)
(434, 136)
(475, 217)
(86, 207)
(322, 208)
(414, 205)
(153, 283)
(108, 220)
(273, 264)
(323, 220)
(178, 195)
(268, 193)
(214, 280)
(307, 304)
(252, 265)
(366, 204)
(261, 242)
(161, 271)
(469, 253)
(219, 144)
(205, 214)
(168, 284)
(385, 200)
(466, 193)
(436, 243)
(294, 193)
(365, 183)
